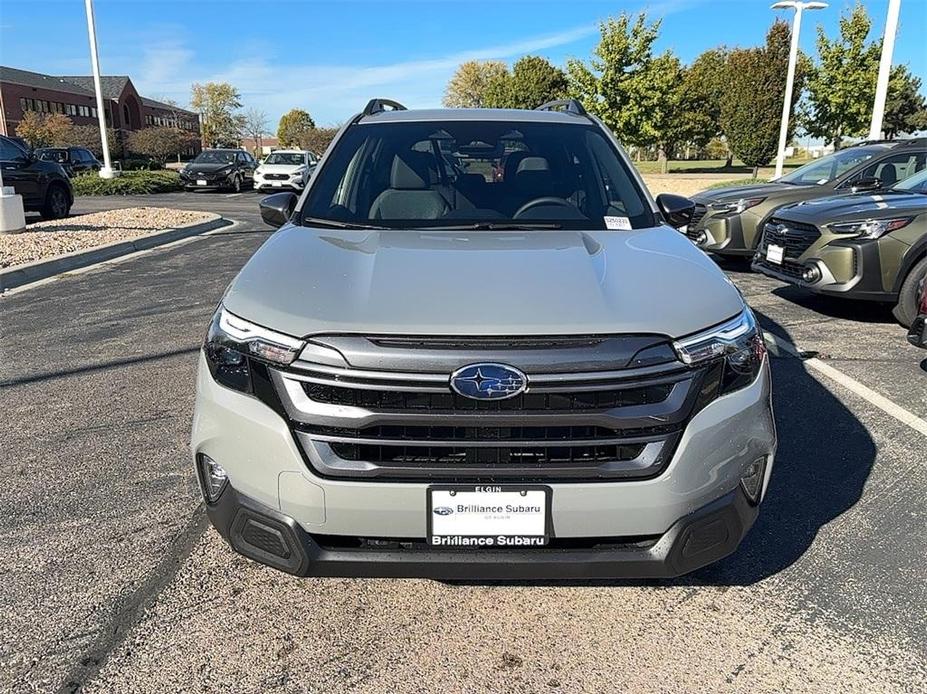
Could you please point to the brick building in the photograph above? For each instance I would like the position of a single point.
(125, 109)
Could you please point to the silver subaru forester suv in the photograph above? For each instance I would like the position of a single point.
(477, 348)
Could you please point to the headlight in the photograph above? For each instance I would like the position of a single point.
(738, 344)
(735, 207)
(232, 343)
(870, 228)
(299, 172)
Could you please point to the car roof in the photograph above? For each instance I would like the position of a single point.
(475, 114)
(289, 151)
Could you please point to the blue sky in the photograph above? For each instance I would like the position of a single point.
(330, 57)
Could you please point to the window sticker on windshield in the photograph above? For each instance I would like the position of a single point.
(622, 223)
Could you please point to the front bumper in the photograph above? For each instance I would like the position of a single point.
(273, 538)
(727, 234)
(847, 268)
(212, 183)
(266, 468)
(291, 183)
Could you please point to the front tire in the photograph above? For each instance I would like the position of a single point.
(57, 202)
(908, 295)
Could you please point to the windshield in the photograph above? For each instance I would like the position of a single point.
(215, 157)
(288, 158)
(831, 167)
(913, 184)
(493, 173)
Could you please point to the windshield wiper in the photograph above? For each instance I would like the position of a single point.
(335, 224)
(495, 226)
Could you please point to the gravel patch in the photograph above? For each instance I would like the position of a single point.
(44, 240)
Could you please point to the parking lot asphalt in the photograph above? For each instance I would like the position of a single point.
(113, 582)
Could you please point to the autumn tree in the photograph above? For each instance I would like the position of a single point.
(45, 129)
(294, 128)
(532, 82)
(89, 136)
(467, 87)
(218, 104)
(160, 143)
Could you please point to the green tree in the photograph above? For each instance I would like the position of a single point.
(532, 82)
(841, 88)
(635, 94)
(294, 128)
(750, 115)
(160, 143)
(45, 129)
(218, 104)
(704, 88)
(905, 106)
(467, 87)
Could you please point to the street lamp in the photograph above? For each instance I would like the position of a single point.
(798, 6)
(885, 69)
(107, 170)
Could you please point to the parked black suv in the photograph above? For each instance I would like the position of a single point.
(219, 169)
(74, 160)
(44, 185)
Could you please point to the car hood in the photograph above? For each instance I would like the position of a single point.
(767, 190)
(855, 207)
(278, 168)
(305, 281)
(206, 167)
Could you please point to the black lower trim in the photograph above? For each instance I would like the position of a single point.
(272, 538)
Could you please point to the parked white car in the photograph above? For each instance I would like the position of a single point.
(285, 168)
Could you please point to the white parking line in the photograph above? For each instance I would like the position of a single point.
(887, 406)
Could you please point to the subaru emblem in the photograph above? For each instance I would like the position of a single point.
(443, 511)
(488, 381)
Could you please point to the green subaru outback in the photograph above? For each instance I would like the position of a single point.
(858, 246)
(729, 221)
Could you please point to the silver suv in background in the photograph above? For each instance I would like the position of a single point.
(478, 348)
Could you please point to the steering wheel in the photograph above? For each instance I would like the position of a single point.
(537, 202)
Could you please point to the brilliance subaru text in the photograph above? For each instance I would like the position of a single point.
(477, 348)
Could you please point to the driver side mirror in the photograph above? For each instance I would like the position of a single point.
(277, 209)
(864, 184)
(677, 210)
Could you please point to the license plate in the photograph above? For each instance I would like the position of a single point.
(277, 184)
(476, 516)
(775, 254)
(201, 182)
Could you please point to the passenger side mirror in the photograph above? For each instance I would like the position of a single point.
(677, 210)
(276, 209)
(864, 184)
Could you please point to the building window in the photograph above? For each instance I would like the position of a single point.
(93, 112)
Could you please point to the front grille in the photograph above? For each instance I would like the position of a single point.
(795, 237)
(586, 414)
(786, 268)
(276, 177)
(697, 216)
(447, 401)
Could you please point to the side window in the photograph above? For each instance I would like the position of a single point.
(241, 158)
(9, 151)
(892, 169)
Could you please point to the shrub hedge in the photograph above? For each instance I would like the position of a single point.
(129, 183)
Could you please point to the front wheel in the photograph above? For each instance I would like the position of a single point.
(57, 202)
(906, 310)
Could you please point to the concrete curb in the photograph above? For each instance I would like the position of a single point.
(42, 269)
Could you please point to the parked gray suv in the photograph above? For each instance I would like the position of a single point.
(477, 348)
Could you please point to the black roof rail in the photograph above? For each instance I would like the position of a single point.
(568, 105)
(380, 105)
(900, 142)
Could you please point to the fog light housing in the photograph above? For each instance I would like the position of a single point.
(701, 238)
(752, 480)
(811, 274)
(213, 478)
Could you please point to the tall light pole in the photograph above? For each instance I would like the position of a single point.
(799, 7)
(107, 170)
(885, 69)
